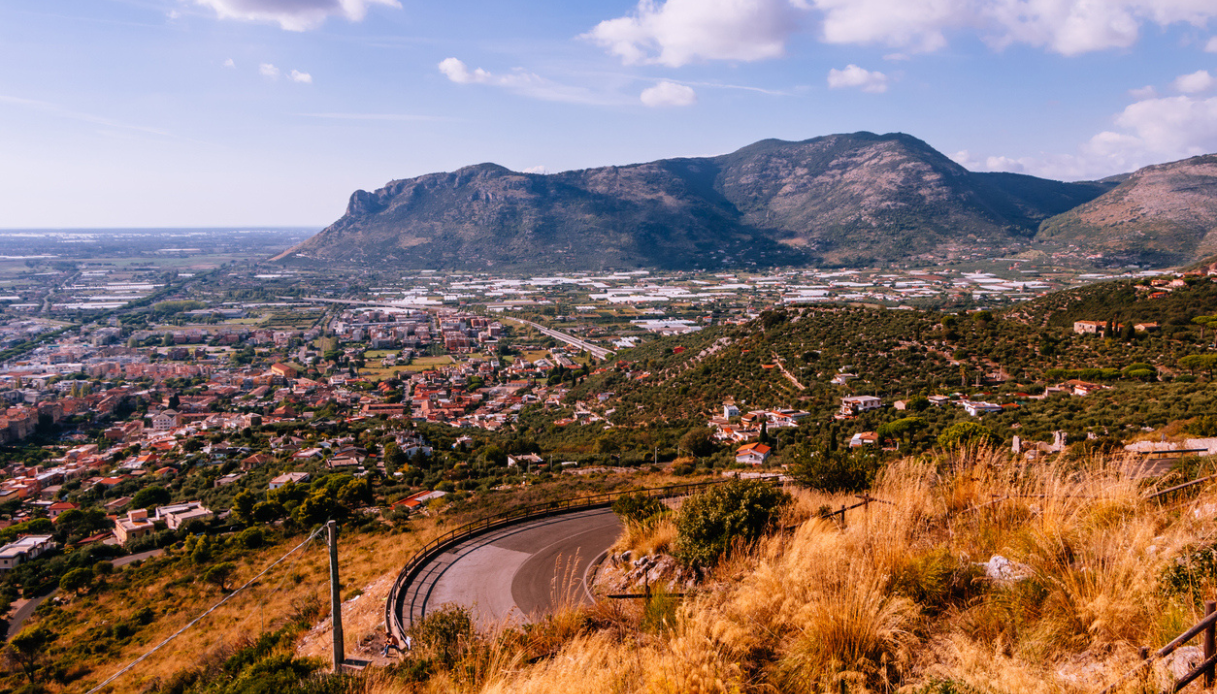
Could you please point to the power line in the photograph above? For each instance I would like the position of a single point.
(211, 609)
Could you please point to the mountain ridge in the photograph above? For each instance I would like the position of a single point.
(846, 199)
(1164, 212)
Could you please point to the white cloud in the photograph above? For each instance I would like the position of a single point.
(269, 71)
(456, 70)
(294, 15)
(1148, 131)
(524, 83)
(964, 158)
(538, 169)
(1211, 46)
(1146, 92)
(229, 63)
(678, 32)
(1004, 164)
(854, 76)
(303, 77)
(915, 25)
(1161, 129)
(668, 94)
(1198, 81)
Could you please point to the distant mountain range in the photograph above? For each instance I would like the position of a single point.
(838, 200)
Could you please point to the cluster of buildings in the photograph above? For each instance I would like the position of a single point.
(384, 328)
(733, 426)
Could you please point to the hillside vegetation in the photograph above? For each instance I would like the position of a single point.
(976, 573)
(787, 358)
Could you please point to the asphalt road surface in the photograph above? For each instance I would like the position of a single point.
(523, 572)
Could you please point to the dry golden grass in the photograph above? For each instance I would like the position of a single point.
(647, 537)
(178, 597)
(897, 599)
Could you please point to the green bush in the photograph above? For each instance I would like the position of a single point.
(835, 471)
(251, 538)
(637, 508)
(1193, 575)
(967, 434)
(739, 510)
(445, 633)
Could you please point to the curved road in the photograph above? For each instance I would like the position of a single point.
(516, 574)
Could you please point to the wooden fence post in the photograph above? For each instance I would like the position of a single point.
(1209, 633)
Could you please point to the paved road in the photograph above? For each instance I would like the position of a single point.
(598, 352)
(23, 613)
(519, 573)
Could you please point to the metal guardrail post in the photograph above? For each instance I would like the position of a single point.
(1209, 645)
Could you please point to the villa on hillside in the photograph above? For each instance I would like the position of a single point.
(1083, 388)
(853, 404)
(289, 478)
(29, 547)
(1089, 327)
(133, 526)
(752, 454)
(977, 408)
(864, 438)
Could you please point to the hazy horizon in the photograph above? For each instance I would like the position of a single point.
(271, 113)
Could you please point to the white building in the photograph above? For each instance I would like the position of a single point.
(165, 421)
(29, 547)
(976, 408)
(854, 404)
(289, 478)
(177, 515)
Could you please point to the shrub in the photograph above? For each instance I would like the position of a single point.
(445, 633)
(1193, 575)
(251, 538)
(833, 472)
(219, 574)
(149, 497)
(712, 520)
(699, 441)
(967, 434)
(637, 508)
(76, 581)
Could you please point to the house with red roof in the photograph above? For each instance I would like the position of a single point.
(752, 454)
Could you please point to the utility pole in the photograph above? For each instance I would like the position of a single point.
(335, 596)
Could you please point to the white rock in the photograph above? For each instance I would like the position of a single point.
(998, 568)
(1204, 511)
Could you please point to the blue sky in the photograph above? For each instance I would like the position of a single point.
(271, 112)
